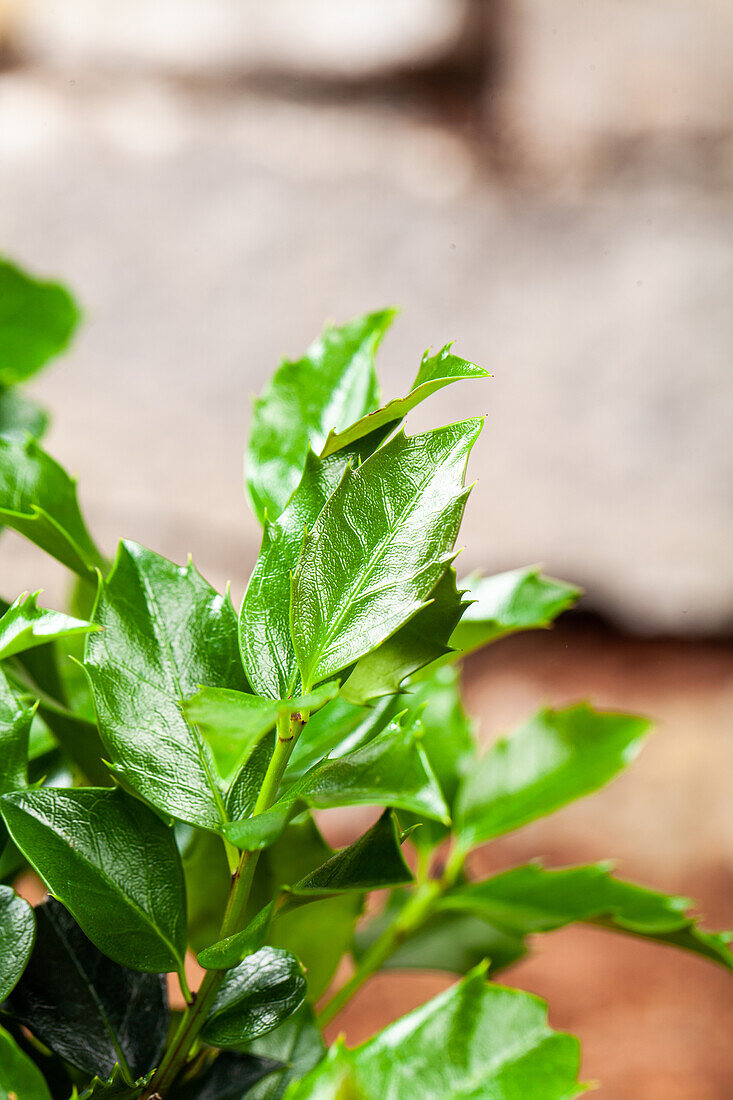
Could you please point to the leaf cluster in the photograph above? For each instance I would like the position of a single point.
(163, 757)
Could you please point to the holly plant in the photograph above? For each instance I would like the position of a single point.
(163, 758)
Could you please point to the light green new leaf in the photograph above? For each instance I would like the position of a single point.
(391, 770)
(165, 632)
(264, 620)
(20, 1079)
(330, 387)
(436, 371)
(373, 862)
(418, 643)
(476, 1040)
(338, 729)
(17, 934)
(113, 864)
(38, 499)
(263, 991)
(233, 722)
(533, 899)
(25, 625)
(521, 599)
(378, 548)
(19, 416)
(558, 756)
(37, 320)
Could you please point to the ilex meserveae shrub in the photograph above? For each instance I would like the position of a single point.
(163, 783)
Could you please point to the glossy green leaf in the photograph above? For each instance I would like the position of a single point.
(115, 1087)
(392, 770)
(436, 371)
(243, 792)
(521, 599)
(298, 1044)
(233, 949)
(558, 756)
(38, 499)
(166, 632)
(20, 1079)
(25, 625)
(476, 1040)
(418, 643)
(17, 935)
(532, 899)
(339, 729)
(19, 416)
(16, 720)
(256, 996)
(113, 864)
(330, 387)
(231, 1077)
(264, 620)
(233, 722)
(378, 548)
(37, 320)
(92, 1012)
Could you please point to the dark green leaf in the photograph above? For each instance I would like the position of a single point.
(115, 1087)
(558, 756)
(264, 621)
(20, 1079)
(392, 770)
(231, 1077)
(166, 632)
(456, 942)
(418, 643)
(38, 499)
(19, 416)
(378, 548)
(88, 1009)
(208, 880)
(233, 722)
(17, 935)
(298, 1044)
(522, 599)
(436, 371)
(232, 950)
(37, 320)
(254, 998)
(533, 899)
(25, 625)
(331, 386)
(474, 1040)
(244, 791)
(113, 864)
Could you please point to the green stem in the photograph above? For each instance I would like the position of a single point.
(415, 912)
(288, 731)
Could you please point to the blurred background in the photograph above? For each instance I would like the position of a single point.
(548, 182)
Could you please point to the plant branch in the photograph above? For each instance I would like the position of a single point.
(288, 731)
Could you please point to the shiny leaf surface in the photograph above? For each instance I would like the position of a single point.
(330, 387)
(436, 371)
(392, 770)
(20, 1079)
(37, 320)
(17, 935)
(25, 625)
(38, 499)
(166, 632)
(532, 899)
(88, 1009)
(474, 1041)
(256, 996)
(558, 756)
(113, 864)
(418, 643)
(233, 722)
(521, 599)
(378, 548)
